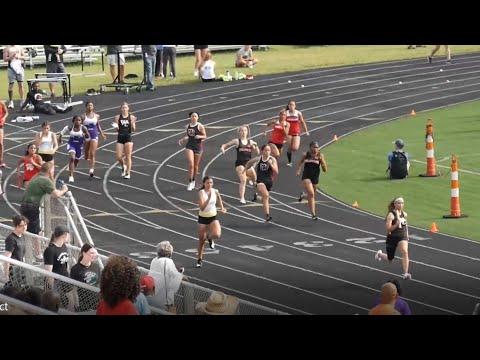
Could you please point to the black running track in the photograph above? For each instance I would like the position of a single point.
(294, 264)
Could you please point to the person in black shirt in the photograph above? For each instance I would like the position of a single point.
(15, 249)
(125, 125)
(84, 272)
(54, 62)
(56, 259)
(35, 98)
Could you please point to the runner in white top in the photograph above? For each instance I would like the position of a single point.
(47, 144)
(208, 226)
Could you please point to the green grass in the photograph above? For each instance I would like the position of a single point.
(426, 199)
(278, 59)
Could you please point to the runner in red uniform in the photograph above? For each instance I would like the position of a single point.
(294, 117)
(31, 163)
(280, 128)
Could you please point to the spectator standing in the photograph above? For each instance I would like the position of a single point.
(447, 53)
(147, 288)
(3, 118)
(15, 249)
(159, 62)
(200, 52)
(149, 57)
(83, 271)
(14, 55)
(166, 275)
(169, 57)
(388, 296)
(54, 59)
(119, 287)
(114, 55)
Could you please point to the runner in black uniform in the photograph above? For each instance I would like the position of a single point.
(312, 161)
(244, 147)
(397, 235)
(267, 169)
(194, 148)
(125, 125)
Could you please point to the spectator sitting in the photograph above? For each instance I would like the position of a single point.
(51, 301)
(166, 275)
(398, 163)
(388, 297)
(400, 305)
(218, 304)
(35, 98)
(119, 287)
(207, 68)
(245, 57)
(147, 288)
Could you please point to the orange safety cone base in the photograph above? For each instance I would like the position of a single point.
(425, 175)
(433, 228)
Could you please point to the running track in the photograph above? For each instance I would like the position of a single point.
(293, 264)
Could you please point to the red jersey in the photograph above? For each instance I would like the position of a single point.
(124, 307)
(30, 170)
(278, 134)
(2, 115)
(294, 120)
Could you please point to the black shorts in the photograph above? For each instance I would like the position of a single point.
(200, 47)
(267, 182)
(206, 220)
(391, 246)
(46, 157)
(32, 213)
(124, 138)
(194, 148)
(311, 177)
(240, 163)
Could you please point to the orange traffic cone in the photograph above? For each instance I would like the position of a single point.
(455, 212)
(335, 138)
(413, 113)
(355, 204)
(433, 228)
(429, 146)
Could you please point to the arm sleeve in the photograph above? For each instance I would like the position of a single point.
(48, 256)
(48, 187)
(10, 244)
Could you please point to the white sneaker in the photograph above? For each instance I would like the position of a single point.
(289, 164)
(377, 255)
(250, 182)
(191, 186)
(126, 176)
(124, 170)
(91, 173)
(407, 276)
(243, 201)
(195, 73)
(70, 179)
(10, 105)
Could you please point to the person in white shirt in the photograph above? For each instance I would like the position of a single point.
(14, 55)
(245, 57)
(207, 68)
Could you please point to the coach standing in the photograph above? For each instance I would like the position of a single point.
(54, 61)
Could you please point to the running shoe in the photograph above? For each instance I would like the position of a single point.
(195, 73)
(268, 218)
(70, 179)
(191, 186)
(91, 173)
(302, 194)
(377, 255)
(243, 201)
(250, 182)
(429, 58)
(314, 217)
(199, 263)
(211, 243)
(10, 105)
(407, 276)
(289, 164)
(127, 176)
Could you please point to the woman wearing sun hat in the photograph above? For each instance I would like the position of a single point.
(397, 235)
(218, 304)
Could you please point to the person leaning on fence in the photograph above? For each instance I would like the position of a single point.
(119, 287)
(147, 288)
(166, 275)
(15, 249)
(398, 163)
(218, 304)
(84, 272)
(54, 63)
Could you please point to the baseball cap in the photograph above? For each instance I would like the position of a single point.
(147, 282)
(399, 143)
(60, 230)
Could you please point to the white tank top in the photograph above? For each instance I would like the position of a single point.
(211, 208)
(207, 71)
(46, 144)
(90, 122)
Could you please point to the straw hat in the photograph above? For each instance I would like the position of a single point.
(218, 304)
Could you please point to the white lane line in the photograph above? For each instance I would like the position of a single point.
(130, 186)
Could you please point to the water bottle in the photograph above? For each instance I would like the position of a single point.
(228, 76)
(236, 75)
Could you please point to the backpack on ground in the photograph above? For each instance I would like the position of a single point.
(398, 165)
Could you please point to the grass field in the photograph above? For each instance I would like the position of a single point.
(456, 131)
(278, 59)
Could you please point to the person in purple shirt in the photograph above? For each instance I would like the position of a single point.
(400, 305)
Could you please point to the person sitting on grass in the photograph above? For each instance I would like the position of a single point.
(398, 163)
(35, 98)
(245, 57)
(207, 68)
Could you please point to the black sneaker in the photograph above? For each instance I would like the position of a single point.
(199, 263)
(268, 219)
(301, 197)
(211, 243)
(429, 58)
(314, 217)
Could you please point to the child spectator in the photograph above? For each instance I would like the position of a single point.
(147, 288)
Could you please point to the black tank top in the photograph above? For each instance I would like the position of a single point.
(400, 233)
(312, 164)
(264, 170)
(124, 125)
(244, 152)
(193, 131)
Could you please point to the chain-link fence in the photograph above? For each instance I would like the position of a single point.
(11, 306)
